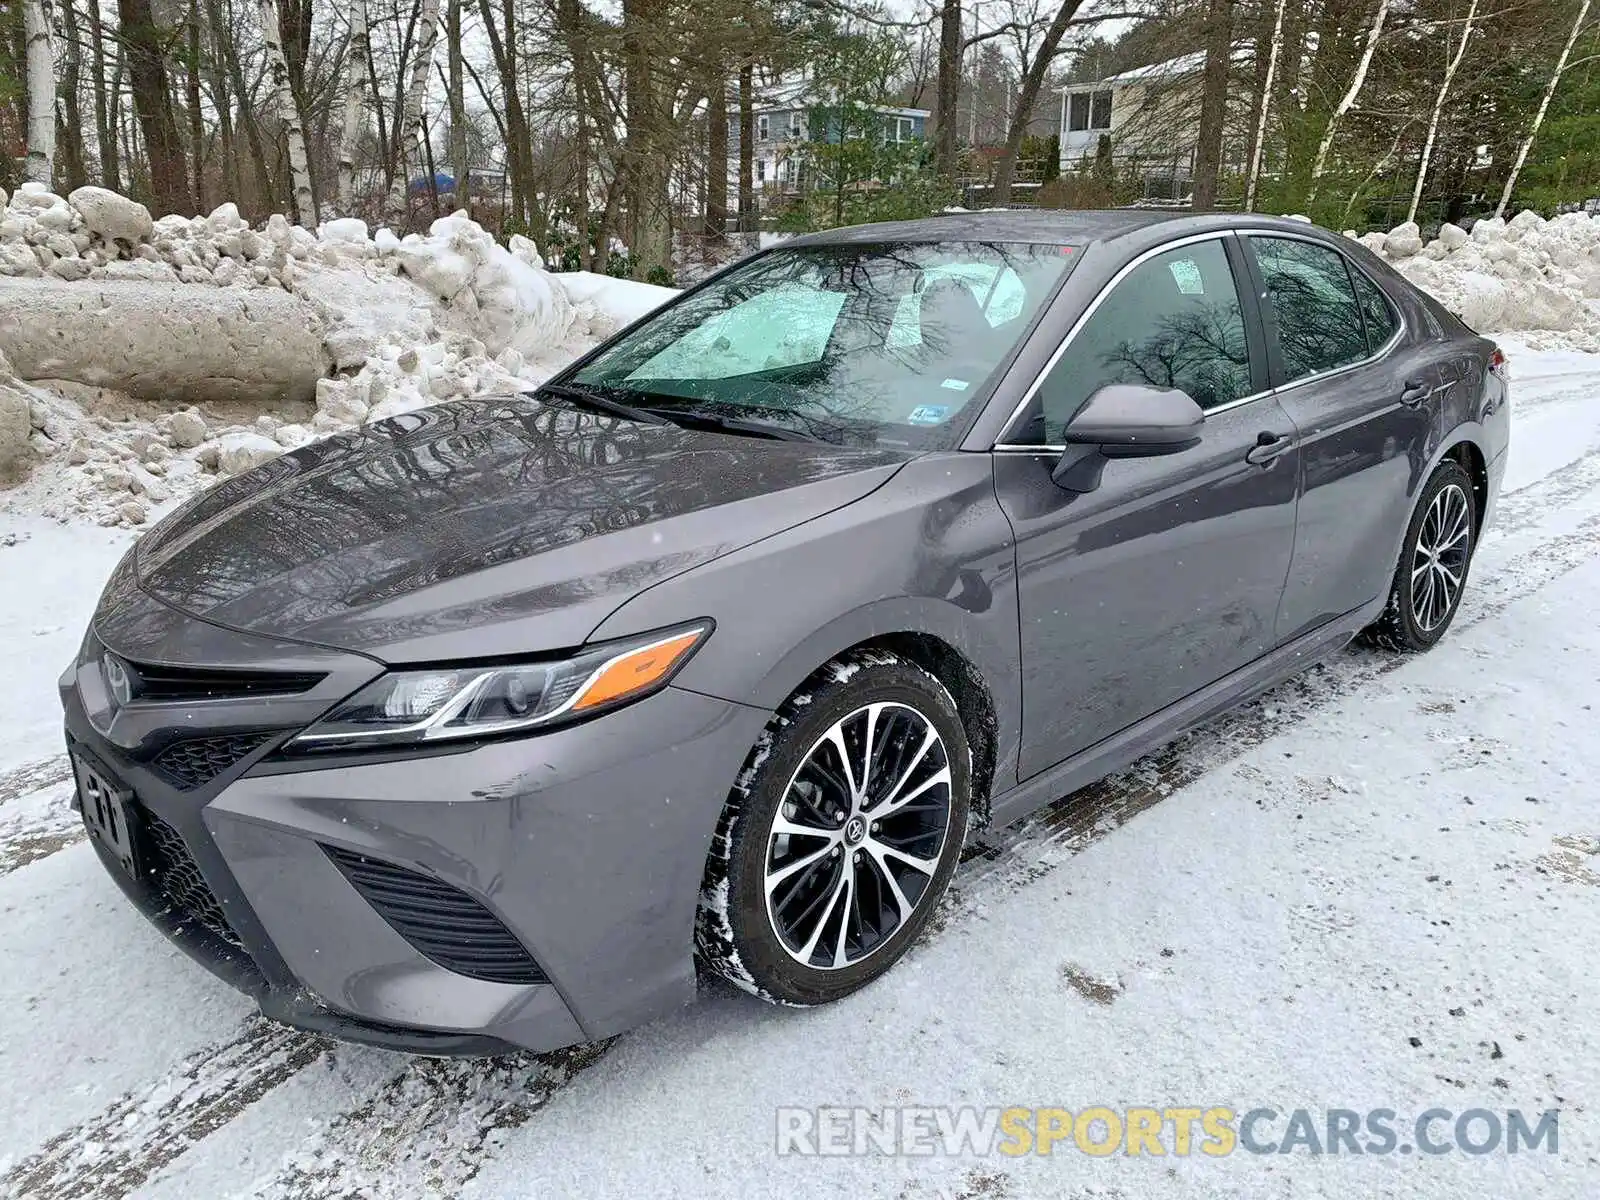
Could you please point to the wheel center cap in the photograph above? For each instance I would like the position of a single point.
(855, 831)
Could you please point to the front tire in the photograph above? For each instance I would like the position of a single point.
(1434, 560)
(841, 835)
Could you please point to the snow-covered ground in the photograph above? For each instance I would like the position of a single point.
(1377, 887)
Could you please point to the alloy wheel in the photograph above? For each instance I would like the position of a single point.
(1439, 564)
(858, 836)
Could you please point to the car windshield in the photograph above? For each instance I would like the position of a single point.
(888, 344)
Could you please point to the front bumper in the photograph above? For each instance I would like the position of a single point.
(587, 843)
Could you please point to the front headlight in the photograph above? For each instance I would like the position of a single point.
(410, 707)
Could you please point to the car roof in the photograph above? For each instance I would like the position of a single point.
(1077, 227)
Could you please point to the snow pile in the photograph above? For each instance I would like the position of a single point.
(1526, 274)
(405, 323)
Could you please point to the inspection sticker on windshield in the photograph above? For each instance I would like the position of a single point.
(956, 385)
(1187, 276)
(928, 414)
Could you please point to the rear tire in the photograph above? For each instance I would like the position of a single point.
(1434, 561)
(841, 834)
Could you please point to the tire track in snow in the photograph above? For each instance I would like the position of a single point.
(36, 817)
(140, 1132)
(34, 776)
(426, 1132)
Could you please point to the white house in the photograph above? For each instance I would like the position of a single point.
(1146, 121)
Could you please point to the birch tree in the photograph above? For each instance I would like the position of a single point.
(294, 134)
(356, 68)
(1266, 104)
(1438, 107)
(410, 134)
(41, 91)
(1544, 107)
(1348, 100)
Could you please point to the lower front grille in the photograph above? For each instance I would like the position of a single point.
(177, 878)
(442, 923)
(194, 762)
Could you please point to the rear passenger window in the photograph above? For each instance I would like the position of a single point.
(1313, 304)
(1375, 306)
(1173, 322)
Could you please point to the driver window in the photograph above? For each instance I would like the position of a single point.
(1174, 321)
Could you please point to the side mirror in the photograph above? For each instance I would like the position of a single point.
(1125, 420)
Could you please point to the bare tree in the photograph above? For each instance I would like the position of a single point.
(1544, 107)
(410, 132)
(1347, 101)
(71, 123)
(1213, 103)
(455, 87)
(1438, 107)
(288, 112)
(357, 65)
(41, 91)
(1260, 137)
(1028, 95)
(947, 90)
(105, 134)
(143, 46)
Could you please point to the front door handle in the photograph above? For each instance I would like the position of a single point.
(1415, 392)
(1268, 446)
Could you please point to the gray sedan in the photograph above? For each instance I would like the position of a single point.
(479, 727)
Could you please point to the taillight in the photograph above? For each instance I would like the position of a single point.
(1498, 364)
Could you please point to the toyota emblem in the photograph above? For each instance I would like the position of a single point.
(117, 678)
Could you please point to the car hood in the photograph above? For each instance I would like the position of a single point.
(485, 527)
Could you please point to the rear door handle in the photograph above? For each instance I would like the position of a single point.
(1268, 446)
(1415, 392)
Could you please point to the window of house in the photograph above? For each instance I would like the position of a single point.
(761, 170)
(1100, 110)
(1173, 322)
(905, 129)
(763, 128)
(794, 125)
(1088, 111)
(1313, 305)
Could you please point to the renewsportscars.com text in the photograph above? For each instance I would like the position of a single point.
(1214, 1132)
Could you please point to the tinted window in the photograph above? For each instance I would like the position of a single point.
(1174, 321)
(1375, 306)
(885, 343)
(1319, 322)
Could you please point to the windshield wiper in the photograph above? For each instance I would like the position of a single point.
(726, 424)
(591, 398)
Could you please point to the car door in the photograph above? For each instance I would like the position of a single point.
(1363, 394)
(1167, 575)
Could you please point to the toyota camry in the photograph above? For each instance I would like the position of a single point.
(481, 727)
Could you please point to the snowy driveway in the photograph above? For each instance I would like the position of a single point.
(1377, 887)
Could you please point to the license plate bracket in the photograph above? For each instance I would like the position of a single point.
(108, 813)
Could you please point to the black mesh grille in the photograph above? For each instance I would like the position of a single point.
(442, 923)
(177, 877)
(196, 761)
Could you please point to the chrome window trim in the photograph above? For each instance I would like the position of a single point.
(1214, 235)
(1401, 329)
(1381, 352)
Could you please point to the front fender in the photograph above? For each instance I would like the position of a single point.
(929, 553)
